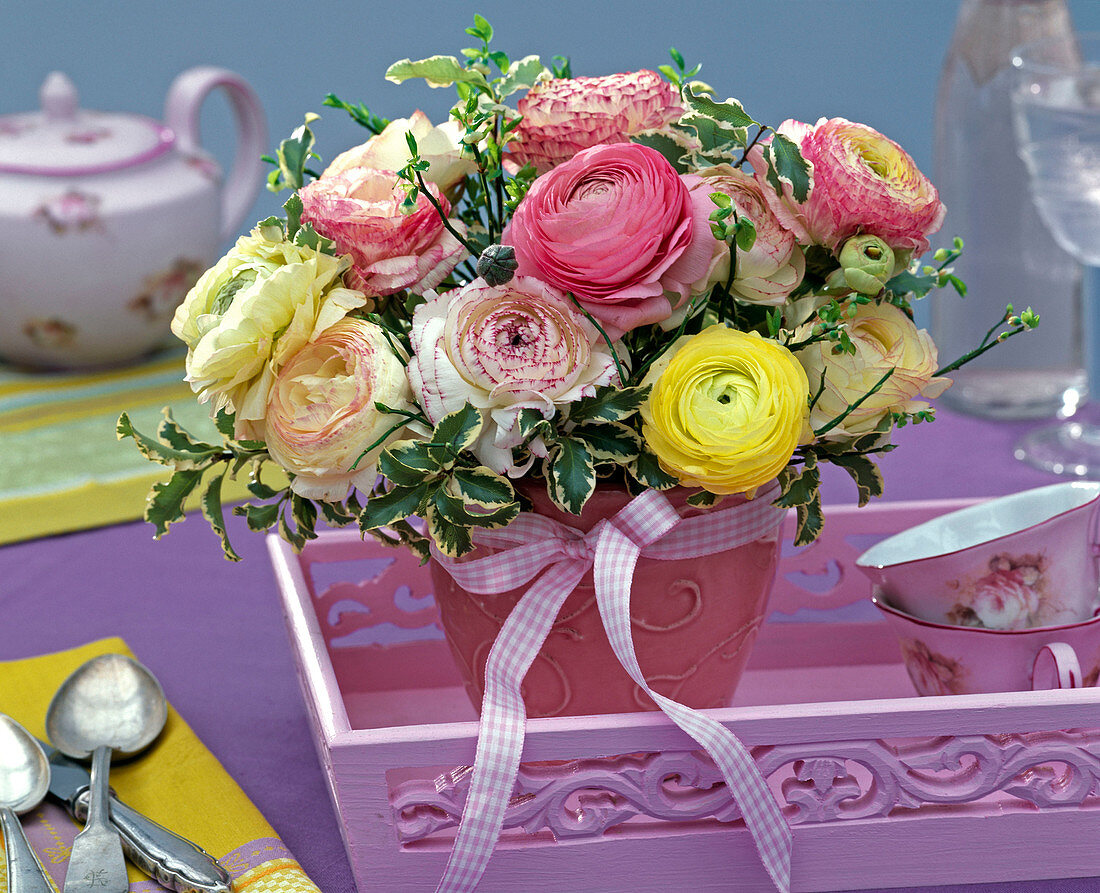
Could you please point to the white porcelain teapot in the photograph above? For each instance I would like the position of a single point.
(107, 219)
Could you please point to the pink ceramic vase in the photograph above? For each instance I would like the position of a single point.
(694, 622)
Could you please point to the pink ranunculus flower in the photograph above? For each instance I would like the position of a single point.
(440, 146)
(618, 228)
(769, 271)
(502, 349)
(360, 210)
(322, 414)
(862, 182)
(563, 116)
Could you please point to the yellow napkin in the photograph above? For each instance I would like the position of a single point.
(177, 783)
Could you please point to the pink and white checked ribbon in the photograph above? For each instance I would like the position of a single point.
(647, 526)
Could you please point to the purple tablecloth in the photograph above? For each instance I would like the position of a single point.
(213, 631)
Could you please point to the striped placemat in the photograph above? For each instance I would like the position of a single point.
(61, 466)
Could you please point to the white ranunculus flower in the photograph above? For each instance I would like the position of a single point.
(504, 348)
(440, 146)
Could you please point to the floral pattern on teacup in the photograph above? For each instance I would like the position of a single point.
(932, 673)
(52, 332)
(70, 211)
(162, 292)
(1011, 594)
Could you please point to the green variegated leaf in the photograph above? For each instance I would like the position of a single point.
(451, 539)
(400, 474)
(730, 112)
(867, 477)
(259, 517)
(293, 207)
(412, 454)
(647, 471)
(401, 533)
(533, 424)
(609, 404)
(224, 422)
(438, 71)
(211, 503)
(172, 435)
(787, 166)
(336, 514)
(154, 450)
(799, 488)
(673, 151)
(258, 488)
(293, 155)
(455, 432)
(715, 138)
(296, 538)
(520, 75)
(810, 521)
(702, 499)
(165, 502)
(571, 475)
(305, 515)
(395, 505)
(609, 441)
(483, 487)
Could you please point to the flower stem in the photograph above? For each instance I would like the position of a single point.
(600, 329)
(853, 406)
(469, 246)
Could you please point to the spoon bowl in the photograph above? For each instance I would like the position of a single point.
(111, 703)
(24, 780)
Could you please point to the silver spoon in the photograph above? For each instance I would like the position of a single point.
(24, 780)
(111, 703)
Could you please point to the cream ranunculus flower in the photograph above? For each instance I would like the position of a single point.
(440, 146)
(250, 311)
(769, 271)
(726, 411)
(321, 412)
(884, 338)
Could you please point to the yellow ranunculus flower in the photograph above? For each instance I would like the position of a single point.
(251, 311)
(726, 411)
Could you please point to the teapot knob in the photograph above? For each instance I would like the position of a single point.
(58, 96)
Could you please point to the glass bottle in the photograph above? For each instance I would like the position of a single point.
(1009, 257)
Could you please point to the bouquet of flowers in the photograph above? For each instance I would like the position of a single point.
(575, 282)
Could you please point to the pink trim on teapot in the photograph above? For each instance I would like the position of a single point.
(165, 138)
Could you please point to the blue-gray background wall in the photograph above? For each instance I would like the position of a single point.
(874, 61)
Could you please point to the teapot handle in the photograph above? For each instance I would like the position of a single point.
(181, 113)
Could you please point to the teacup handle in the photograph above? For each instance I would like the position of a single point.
(181, 113)
(1056, 666)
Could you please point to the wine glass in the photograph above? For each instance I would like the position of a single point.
(1056, 114)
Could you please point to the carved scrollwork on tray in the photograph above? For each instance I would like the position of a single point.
(819, 782)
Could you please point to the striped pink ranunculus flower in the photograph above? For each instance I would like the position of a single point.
(862, 183)
(360, 210)
(565, 115)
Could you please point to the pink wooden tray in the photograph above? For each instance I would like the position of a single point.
(883, 788)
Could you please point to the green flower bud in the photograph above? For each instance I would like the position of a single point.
(497, 264)
(867, 263)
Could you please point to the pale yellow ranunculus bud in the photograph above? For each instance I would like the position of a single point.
(727, 410)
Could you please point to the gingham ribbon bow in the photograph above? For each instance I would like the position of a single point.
(647, 526)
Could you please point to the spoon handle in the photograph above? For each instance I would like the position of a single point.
(96, 863)
(173, 861)
(25, 874)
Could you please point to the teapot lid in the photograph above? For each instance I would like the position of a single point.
(65, 140)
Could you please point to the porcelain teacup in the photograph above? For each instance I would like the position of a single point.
(958, 660)
(1015, 562)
